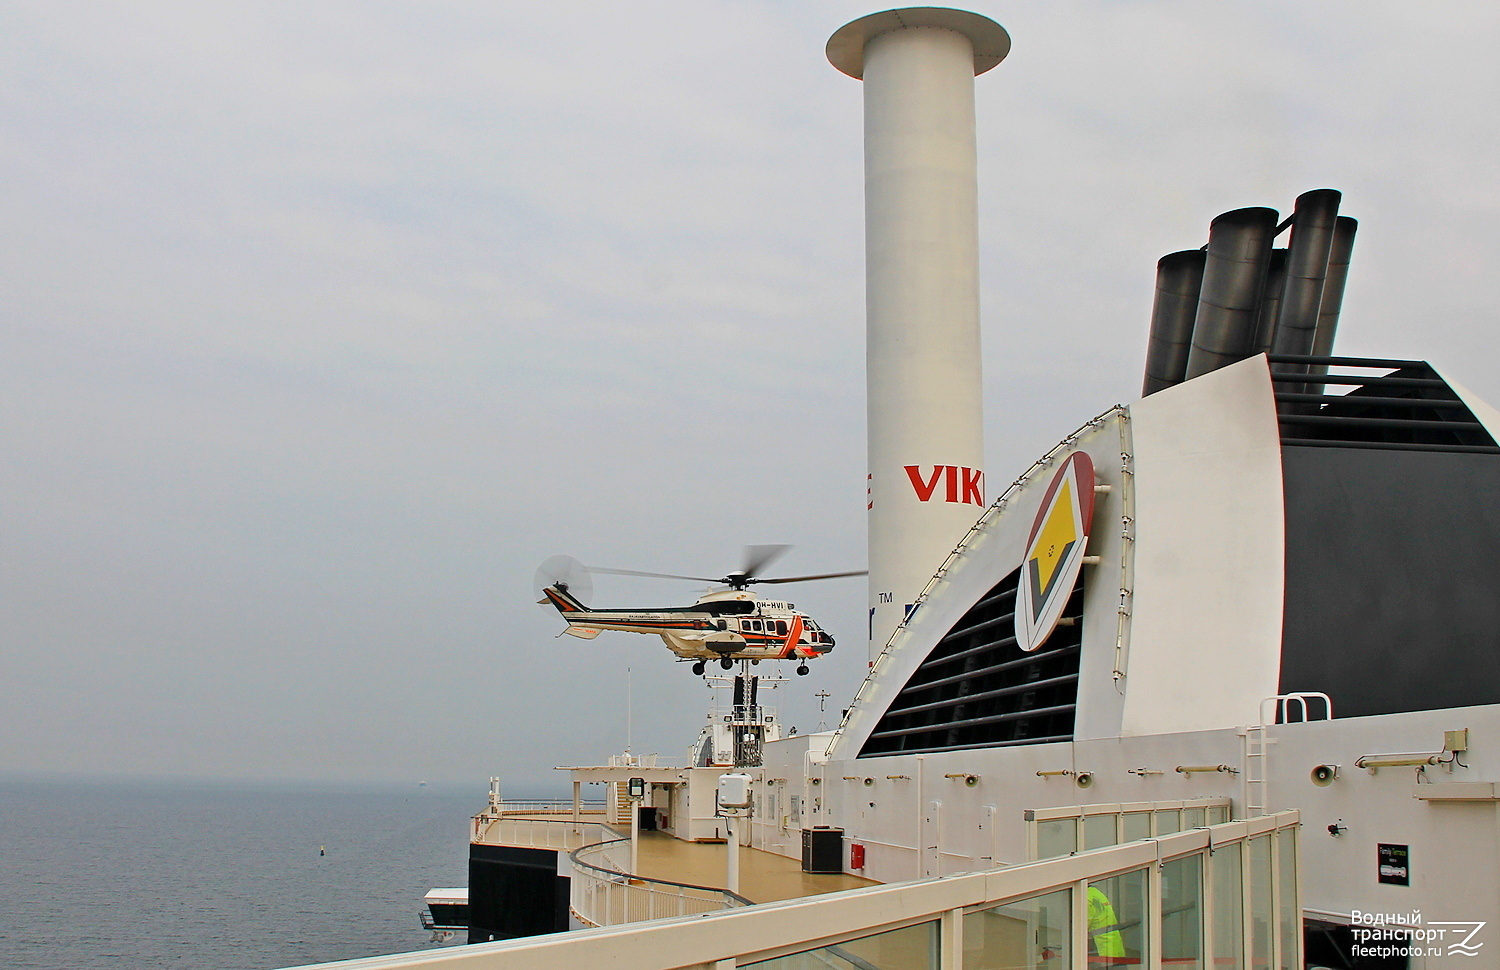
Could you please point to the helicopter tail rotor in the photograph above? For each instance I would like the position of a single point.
(567, 574)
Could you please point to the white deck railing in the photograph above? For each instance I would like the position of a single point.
(1225, 895)
(538, 831)
(603, 893)
(549, 806)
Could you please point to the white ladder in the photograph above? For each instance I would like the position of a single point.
(1257, 748)
(1255, 770)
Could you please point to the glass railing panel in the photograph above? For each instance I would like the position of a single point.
(1056, 837)
(1217, 814)
(1136, 825)
(1118, 924)
(1224, 873)
(1182, 913)
(1168, 821)
(1032, 934)
(1288, 907)
(909, 948)
(1193, 818)
(1099, 831)
(1262, 917)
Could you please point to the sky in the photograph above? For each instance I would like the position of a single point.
(324, 324)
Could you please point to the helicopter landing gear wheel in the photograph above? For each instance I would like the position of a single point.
(698, 668)
(726, 663)
(802, 670)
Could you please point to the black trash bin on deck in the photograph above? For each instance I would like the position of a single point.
(822, 849)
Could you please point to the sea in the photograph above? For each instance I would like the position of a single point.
(221, 876)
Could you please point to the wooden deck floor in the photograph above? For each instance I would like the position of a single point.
(764, 876)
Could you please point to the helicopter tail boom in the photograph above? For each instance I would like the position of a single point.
(565, 602)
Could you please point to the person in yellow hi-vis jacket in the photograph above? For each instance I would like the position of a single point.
(1102, 933)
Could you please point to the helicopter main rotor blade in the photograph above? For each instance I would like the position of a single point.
(759, 557)
(636, 572)
(804, 579)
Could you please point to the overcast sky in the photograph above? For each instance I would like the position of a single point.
(325, 323)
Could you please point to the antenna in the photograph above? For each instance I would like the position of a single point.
(822, 697)
(629, 711)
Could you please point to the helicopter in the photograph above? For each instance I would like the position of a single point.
(726, 624)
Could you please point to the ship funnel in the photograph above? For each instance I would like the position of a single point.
(1238, 296)
(925, 416)
(1179, 279)
(1333, 294)
(1306, 268)
(1239, 254)
(1270, 303)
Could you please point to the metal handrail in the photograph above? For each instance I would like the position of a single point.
(527, 830)
(1283, 707)
(573, 856)
(544, 805)
(564, 816)
(826, 925)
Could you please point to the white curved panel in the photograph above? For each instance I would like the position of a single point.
(1205, 640)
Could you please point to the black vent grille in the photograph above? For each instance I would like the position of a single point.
(976, 689)
(1406, 408)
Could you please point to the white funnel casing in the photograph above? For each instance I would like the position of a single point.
(925, 409)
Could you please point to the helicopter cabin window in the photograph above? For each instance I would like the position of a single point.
(781, 628)
(755, 625)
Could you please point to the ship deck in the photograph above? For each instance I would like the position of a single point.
(764, 876)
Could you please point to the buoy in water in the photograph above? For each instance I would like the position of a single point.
(322, 850)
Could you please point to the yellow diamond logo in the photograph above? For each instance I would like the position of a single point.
(1054, 540)
(1054, 554)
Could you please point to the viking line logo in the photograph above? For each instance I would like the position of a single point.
(962, 486)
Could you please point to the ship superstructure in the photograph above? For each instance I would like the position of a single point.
(1215, 682)
(1275, 615)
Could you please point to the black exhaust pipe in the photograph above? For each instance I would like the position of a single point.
(1179, 281)
(1239, 251)
(1313, 222)
(1333, 294)
(1238, 297)
(1270, 302)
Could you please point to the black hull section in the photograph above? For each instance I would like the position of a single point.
(515, 892)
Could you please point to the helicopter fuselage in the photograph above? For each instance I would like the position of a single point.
(722, 625)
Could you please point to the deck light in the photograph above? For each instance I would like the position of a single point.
(1373, 761)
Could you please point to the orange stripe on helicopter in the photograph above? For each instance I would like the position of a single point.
(560, 602)
(793, 636)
